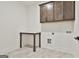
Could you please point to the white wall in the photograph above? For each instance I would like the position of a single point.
(13, 18)
(33, 24)
(27, 40)
(59, 41)
(62, 26)
(76, 29)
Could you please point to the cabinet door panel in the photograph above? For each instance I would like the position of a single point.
(58, 10)
(50, 15)
(43, 13)
(68, 10)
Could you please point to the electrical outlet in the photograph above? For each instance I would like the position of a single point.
(49, 41)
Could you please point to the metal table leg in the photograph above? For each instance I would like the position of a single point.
(34, 44)
(39, 40)
(20, 40)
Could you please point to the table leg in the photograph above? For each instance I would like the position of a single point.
(34, 45)
(39, 40)
(20, 40)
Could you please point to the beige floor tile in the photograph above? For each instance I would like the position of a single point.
(40, 53)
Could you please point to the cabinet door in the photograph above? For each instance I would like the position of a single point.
(43, 13)
(50, 15)
(58, 10)
(69, 10)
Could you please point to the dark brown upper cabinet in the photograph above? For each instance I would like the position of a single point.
(50, 16)
(57, 11)
(69, 10)
(43, 13)
(46, 12)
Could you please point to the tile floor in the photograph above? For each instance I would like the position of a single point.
(40, 53)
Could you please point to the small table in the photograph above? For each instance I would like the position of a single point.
(34, 39)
